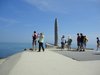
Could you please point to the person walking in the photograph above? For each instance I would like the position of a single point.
(34, 42)
(98, 43)
(40, 41)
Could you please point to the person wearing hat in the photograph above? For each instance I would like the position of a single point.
(63, 41)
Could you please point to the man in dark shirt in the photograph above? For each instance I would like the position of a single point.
(34, 36)
(81, 42)
(78, 42)
(98, 43)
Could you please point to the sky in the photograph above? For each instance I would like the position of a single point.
(19, 18)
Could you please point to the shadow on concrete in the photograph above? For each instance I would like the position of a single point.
(74, 50)
(79, 56)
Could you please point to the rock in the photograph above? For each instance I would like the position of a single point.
(25, 49)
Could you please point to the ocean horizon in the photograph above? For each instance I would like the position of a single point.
(8, 49)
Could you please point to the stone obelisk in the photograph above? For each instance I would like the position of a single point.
(55, 33)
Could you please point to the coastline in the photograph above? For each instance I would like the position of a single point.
(2, 60)
(52, 64)
(57, 49)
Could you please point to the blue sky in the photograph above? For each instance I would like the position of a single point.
(19, 18)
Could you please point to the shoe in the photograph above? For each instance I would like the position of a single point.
(83, 49)
(77, 49)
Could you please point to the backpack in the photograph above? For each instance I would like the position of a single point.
(99, 42)
(70, 40)
(34, 37)
(65, 41)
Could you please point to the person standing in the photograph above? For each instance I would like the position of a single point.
(40, 41)
(85, 42)
(98, 43)
(63, 42)
(81, 42)
(78, 42)
(34, 42)
(69, 43)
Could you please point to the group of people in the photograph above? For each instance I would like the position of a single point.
(81, 42)
(37, 38)
(65, 42)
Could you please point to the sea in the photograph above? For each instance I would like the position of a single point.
(8, 49)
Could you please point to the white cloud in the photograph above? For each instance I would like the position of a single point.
(58, 6)
(48, 5)
(9, 21)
